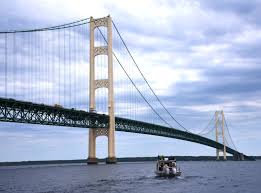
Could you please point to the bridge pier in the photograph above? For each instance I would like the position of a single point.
(239, 157)
(102, 83)
(93, 134)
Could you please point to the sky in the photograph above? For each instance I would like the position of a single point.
(199, 57)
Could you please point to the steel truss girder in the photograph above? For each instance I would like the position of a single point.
(26, 112)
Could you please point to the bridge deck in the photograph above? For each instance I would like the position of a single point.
(26, 112)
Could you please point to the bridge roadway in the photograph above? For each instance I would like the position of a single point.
(26, 112)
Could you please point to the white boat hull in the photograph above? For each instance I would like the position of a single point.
(163, 174)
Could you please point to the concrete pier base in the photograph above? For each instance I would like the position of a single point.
(239, 157)
(92, 161)
(111, 160)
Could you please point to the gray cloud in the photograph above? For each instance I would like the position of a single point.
(212, 48)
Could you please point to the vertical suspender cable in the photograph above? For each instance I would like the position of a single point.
(59, 68)
(74, 66)
(6, 65)
(44, 91)
(47, 51)
(82, 80)
(14, 64)
(69, 63)
(64, 68)
(53, 68)
(33, 65)
(29, 66)
(38, 67)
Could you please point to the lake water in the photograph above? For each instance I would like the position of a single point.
(200, 177)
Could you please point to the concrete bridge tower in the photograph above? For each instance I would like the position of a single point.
(102, 83)
(222, 132)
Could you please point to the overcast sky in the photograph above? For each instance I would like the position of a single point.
(199, 56)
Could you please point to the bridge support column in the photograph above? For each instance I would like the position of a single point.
(218, 133)
(92, 148)
(223, 137)
(102, 83)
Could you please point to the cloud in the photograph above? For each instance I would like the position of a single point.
(199, 56)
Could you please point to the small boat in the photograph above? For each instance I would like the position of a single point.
(167, 167)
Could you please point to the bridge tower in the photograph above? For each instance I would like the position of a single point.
(219, 122)
(102, 83)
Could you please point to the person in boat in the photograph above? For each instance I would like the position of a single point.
(174, 170)
(166, 169)
(160, 157)
(173, 167)
(161, 167)
(170, 167)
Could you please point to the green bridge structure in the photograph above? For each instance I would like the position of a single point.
(27, 112)
(46, 79)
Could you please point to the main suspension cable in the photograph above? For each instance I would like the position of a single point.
(125, 45)
(135, 84)
(229, 133)
(63, 26)
(205, 129)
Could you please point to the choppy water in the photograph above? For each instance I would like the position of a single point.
(201, 177)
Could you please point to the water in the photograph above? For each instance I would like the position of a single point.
(199, 177)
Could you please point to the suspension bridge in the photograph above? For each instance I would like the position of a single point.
(82, 74)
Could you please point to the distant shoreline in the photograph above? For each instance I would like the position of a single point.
(126, 159)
